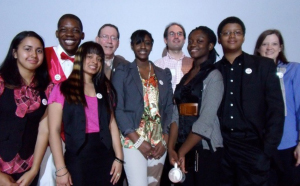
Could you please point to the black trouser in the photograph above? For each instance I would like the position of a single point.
(244, 162)
(283, 170)
(209, 167)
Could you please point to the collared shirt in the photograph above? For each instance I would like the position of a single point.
(233, 117)
(175, 67)
(66, 65)
(109, 62)
(291, 80)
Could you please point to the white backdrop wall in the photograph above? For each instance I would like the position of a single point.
(130, 15)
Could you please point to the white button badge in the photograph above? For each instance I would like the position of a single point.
(99, 96)
(44, 101)
(248, 71)
(57, 77)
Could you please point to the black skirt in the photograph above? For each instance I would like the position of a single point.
(92, 164)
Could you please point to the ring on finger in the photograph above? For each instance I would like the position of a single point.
(118, 174)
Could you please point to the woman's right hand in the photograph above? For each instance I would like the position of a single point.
(146, 149)
(64, 180)
(7, 180)
(173, 157)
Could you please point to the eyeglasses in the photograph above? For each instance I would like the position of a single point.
(106, 37)
(228, 33)
(172, 34)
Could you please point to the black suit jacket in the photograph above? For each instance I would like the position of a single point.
(261, 100)
(130, 99)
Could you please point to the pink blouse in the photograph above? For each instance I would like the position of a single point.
(91, 110)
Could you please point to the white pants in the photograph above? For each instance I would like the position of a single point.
(140, 171)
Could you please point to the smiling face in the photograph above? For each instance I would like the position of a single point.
(175, 39)
(92, 64)
(108, 39)
(69, 35)
(142, 50)
(231, 38)
(198, 45)
(29, 54)
(270, 47)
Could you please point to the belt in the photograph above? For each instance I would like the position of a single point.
(188, 109)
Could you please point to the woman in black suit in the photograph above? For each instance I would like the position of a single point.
(143, 112)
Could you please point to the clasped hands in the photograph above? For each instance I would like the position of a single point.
(150, 152)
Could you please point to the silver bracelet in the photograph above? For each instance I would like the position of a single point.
(164, 144)
(139, 142)
(60, 169)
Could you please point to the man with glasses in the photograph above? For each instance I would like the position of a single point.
(252, 111)
(175, 60)
(108, 37)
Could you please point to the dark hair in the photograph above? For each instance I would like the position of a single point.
(109, 25)
(212, 38)
(262, 37)
(139, 35)
(73, 87)
(231, 20)
(10, 71)
(70, 16)
(172, 24)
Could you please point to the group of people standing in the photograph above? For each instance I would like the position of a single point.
(231, 122)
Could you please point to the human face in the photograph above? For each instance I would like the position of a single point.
(109, 41)
(175, 39)
(270, 47)
(69, 35)
(231, 37)
(142, 50)
(29, 55)
(198, 45)
(92, 64)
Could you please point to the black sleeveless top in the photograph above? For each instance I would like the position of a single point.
(191, 93)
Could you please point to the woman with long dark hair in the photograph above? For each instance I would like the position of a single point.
(23, 117)
(84, 103)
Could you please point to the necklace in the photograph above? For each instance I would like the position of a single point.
(148, 74)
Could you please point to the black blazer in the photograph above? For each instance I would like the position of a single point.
(74, 121)
(130, 103)
(261, 100)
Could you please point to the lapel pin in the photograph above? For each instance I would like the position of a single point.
(114, 69)
(248, 70)
(99, 96)
(57, 77)
(44, 101)
(161, 82)
(280, 74)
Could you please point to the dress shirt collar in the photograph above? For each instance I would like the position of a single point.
(170, 57)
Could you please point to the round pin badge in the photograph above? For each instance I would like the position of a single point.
(280, 74)
(99, 96)
(57, 77)
(44, 101)
(161, 82)
(248, 71)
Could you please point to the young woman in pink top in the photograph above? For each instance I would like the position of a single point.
(84, 104)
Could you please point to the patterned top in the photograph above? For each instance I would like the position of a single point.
(150, 125)
(27, 100)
